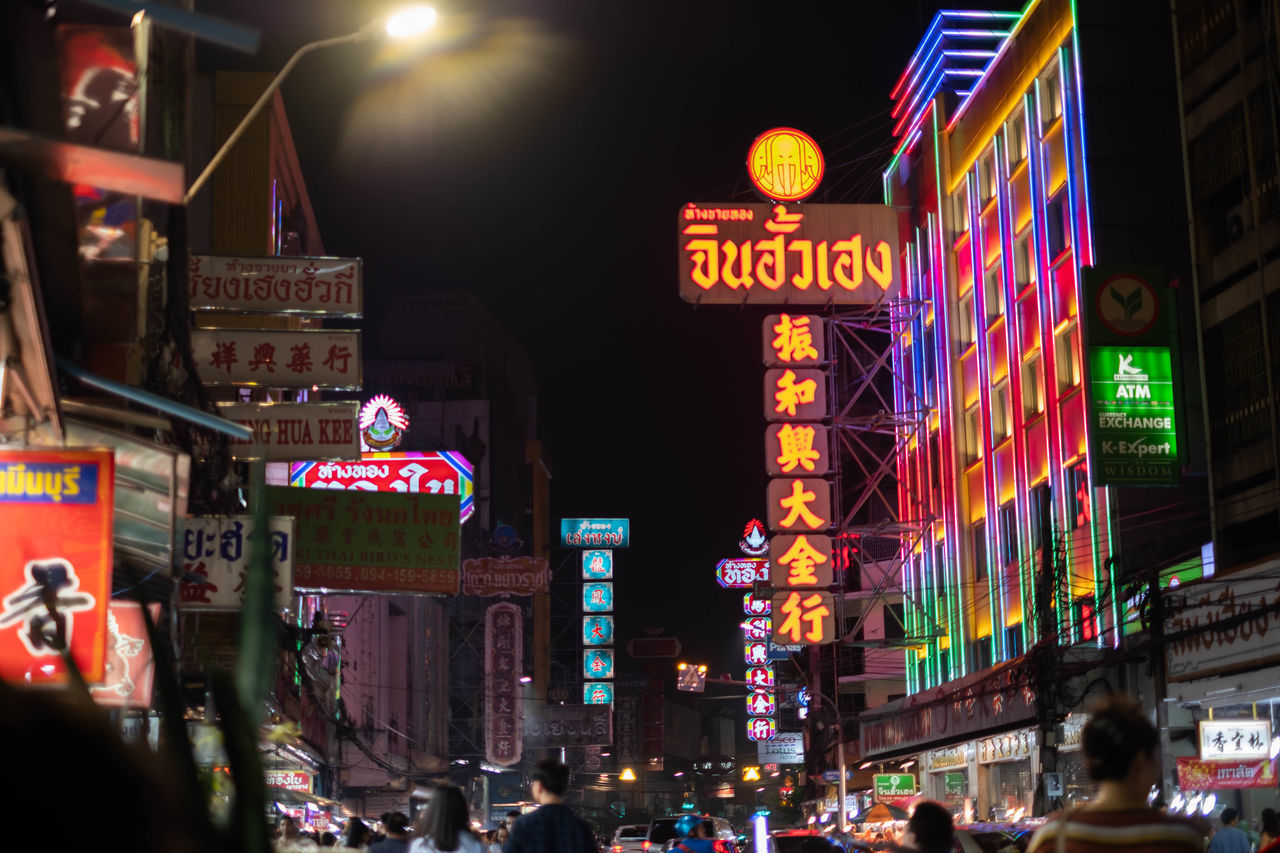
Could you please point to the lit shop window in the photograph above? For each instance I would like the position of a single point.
(993, 292)
(1001, 413)
(1050, 95)
(978, 536)
(1067, 354)
(1017, 139)
(965, 329)
(1032, 387)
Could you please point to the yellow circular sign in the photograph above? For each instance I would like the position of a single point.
(785, 164)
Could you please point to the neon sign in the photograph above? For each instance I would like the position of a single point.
(382, 423)
(785, 164)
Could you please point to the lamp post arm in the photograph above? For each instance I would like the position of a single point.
(231, 140)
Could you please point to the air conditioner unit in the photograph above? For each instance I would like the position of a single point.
(1239, 220)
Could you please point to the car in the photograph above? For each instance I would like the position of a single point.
(662, 834)
(629, 838)
(792, 840)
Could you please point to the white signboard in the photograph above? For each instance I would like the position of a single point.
(215, 560)
(278, 358)
(1224, 624)
(1233, 740)
(295, 431)
(319, 286)
(785, 748)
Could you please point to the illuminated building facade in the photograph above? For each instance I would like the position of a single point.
(1030, 145)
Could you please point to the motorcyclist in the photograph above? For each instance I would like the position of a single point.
(691, 833)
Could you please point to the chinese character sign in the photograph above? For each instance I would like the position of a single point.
(762, 703)
(277, 358)
(761, 728)
(55, 562)
(215, 561)
(597, 565)
(597, 597)
(597, 663)
(597, 630)
(804, 617)
(799, 504)
(1234, 739)
(760, 676)
(795, 394)
(756, 652)
(797, 449)
(794, 340)
(598, 693)
(800, 560)
(818, 254)
(503, 665)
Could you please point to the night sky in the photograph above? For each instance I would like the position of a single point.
(537, 158)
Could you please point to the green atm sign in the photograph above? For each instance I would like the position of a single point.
(1134, 424)
(895, 784)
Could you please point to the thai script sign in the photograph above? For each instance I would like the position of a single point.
(742, 572)
(332, 287)
(894, 784)
(1234, 739)
(56, 509)
(595, 533)
(1197, 775)
(505, 576)
(130, 667)
(284, 432)
(1224, 624)
(440, 472)
(551, 726)
(818, 254)
(785, 164)
(944, 759)
(371, 541)
(784, 748)
(215, 561)
(275, 358)
(503, 662)
(919, 720)
(1132, 404)
(290, 780)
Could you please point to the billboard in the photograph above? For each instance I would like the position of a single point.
(278, 358)
(503, 666)
(56, 509)
(595, 533)
(326, 287)
(816, 254)
(215, 549)
(552, 726)
(784, 748)
(371, 541)
(284, 432)
(1133, 408)
(440, 472)
(505, 576)
(742, 572)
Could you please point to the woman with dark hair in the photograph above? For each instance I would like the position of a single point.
(1121, 749)
(1270, 836)
(445, 826)
(357, 835)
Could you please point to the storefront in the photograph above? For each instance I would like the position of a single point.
(1007, 767)
(1077, 787)
(946, 777)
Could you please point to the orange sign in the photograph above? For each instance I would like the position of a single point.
(785, 164)
(803, 560)
(795, 395)
(794, 340)
(798, 505)
(804, 617)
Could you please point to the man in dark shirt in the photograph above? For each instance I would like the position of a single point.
(396, 825)
(553, 827)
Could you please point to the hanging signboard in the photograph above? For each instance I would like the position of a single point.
(801, 560)
(370, 541)
(798, 449)
(804, 617)
(742, 572)
(818, 254)
(325, 287)
(597, 565)
(794, 340)
(503, 576)
(784, 748)
(762, 728)
(597, 597)
(597, 693)
(597, 663)
(797, 505)
(1135, 435)
(55, 546)
(290, 780)
(567, 726)
(284, 432)
(440, 472)
(595, 533)
(278, 358)
(130, 668)
(597, 630)
(785, 164)
(757, 627)
(754, 606)
(795, 395)
(503, 666)
(895, 785)
(215, 561)
(1234, 739)
(1222, 627)
(1197, 775)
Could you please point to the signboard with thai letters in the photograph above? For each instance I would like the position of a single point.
(278, 358)
(1197, 775)
(1224, 624)
(215, 560)
(291, 780)
(284, 432)
(567, 725)
(331, 287)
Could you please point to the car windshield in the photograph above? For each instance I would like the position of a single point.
(789, 843)
(632, 832)
(662, 830)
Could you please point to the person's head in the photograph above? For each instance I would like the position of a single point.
(1230, 816)
(396, 824)
(1271, 822)
(1120, 744)
(690, 826)
(328, 839)
(511, 817)
(357, 834)
(550, 781)
(929, 828)
(287, 827)
(446, 817)
(500, 835)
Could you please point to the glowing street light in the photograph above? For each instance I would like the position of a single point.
(408, 23)
(691, 679)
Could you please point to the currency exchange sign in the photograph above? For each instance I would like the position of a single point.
(1135, 434)
(816, 254)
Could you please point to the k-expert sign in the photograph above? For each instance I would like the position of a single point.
(1135, 422)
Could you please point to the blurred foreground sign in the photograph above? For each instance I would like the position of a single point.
(568, 725)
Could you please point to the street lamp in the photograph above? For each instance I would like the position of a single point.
(408, 23)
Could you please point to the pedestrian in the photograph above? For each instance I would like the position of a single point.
(500, 837)
(328, 839)
(930, 829)
(1121, 750)
(553, 827)
(396, 825)
(511, 820)
(1231, 838)
(692, 836)
(287, 829)
(445, 826)
(357, 835)
(1270, 833)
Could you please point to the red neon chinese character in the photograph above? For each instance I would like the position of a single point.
(801, 559)
(264, 355)
(791, 394)
(811, 610)
(795, 448)
(795, 340)
(224, 355)
(798, 504)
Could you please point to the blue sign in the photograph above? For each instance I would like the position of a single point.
(782, 651)
(597, 630)
(49, 482)
(599, 693)
(597, 597)
(597, 663)
(597, 565)
(595, 532)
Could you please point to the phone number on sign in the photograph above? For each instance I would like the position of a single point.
(382, 577)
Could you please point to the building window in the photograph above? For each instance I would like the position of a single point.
(960, 211)
(993, 292)
(1057, 233)
(972, 436)
(1017, 139)
(1067, 355)
(893, 622)
(1039, 504)
(965, 327)
(1078, 510)
(1022, 269)
(1013, 639)
(1085, 613)
(986, 177)
(978, 534)
(1050, 96)
(1008, 534)
(1001, 413)
(1032, 387)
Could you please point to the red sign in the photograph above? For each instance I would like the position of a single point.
(753, 606)
(757, 627)
(442, 472)
(55, 548)
(797, 505)
(503, 666)
(742, 572)
(760, 676)
(1197, 775)
(290, 780)
(130, 669)
(762, 703)
(762, 728)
